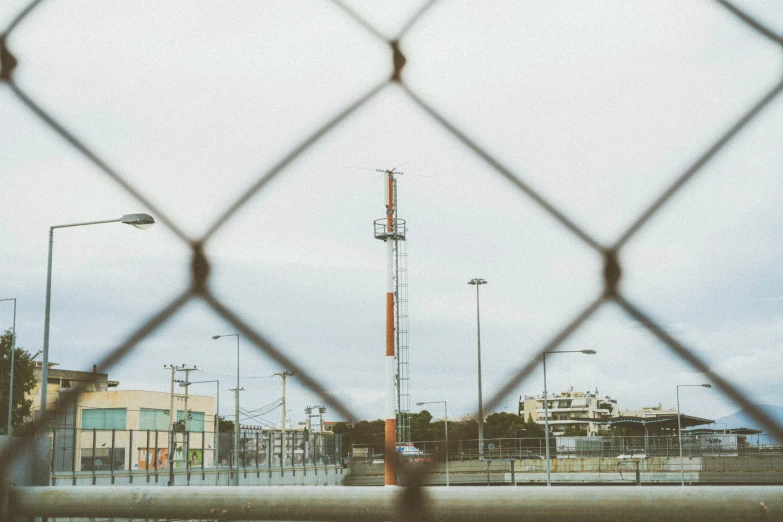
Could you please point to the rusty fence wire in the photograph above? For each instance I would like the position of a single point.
(199, 288)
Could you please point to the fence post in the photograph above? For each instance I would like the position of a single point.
(269, 450)
(155, 455)
(111, 457)
(130, 457)
(244, 454)
(75, 456)
(304, 458)
(54, 445)
(170, 459)
(147, 456)
(513, 477)
(185, 452)
(94, 435)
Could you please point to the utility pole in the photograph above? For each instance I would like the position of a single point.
(172, 414)
(309, 412)
(186, 446)
(321, 411)
(236, 432)
(308, 430)
(284, 375)
(172, 417)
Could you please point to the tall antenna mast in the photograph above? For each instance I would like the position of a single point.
(391, 230)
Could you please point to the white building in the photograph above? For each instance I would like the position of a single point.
(574, 411)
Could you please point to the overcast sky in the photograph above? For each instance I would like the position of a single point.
(597, 106)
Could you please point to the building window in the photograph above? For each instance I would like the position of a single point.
(102, 459)
(195, 420)
(103, 419)
(153, 420)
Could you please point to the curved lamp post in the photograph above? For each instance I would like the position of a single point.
(446, 423)
(546, 409)
(477, 282)
(142, 221)
(679, 426)
(236, 411)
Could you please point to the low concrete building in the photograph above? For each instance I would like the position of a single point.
(99, 428)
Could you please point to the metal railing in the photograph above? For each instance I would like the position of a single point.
(388, 505)
(707, 503)
(758, 445)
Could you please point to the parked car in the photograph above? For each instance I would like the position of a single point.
(413, 454)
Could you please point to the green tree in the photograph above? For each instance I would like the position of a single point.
(421, 427)
(225, 426)
(340, 428)
(575, 432)
(464, 430)
(24, 381)
(503, 425)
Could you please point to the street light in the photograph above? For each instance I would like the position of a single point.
(236, 411)
(142, 221)
(446, 423)
(477, 282)
(11, 376)
(217, 423)
(546, 410)
(679, 427)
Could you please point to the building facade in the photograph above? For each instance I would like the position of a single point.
(570, 411)
(100, 428)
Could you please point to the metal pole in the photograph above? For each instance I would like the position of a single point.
(478, 282)
(236, 410)
(711, 504)
(186, 440)
(9, 432)
(236, 437)
(45, 356)
(679, 439)
(446, 411)
(546, 426)
(217, 434)
(236, 416)
(172, 416)
(45, 359)
(282, 424)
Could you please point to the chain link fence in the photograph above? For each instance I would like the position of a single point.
(199, 288)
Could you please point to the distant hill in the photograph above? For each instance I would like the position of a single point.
(741, 419)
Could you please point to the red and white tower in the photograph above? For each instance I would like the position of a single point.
(390, 230)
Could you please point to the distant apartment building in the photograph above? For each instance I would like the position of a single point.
(648, 412)
(571, 410)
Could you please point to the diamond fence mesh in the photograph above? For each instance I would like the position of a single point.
(199, 288)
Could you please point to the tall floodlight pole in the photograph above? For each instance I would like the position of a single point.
(478, 282)
(217, 423)
(679, 427)
(446, 423)
(390, 230)
(9, 432)
(236, 411)
(142, 221)
(546, 410)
